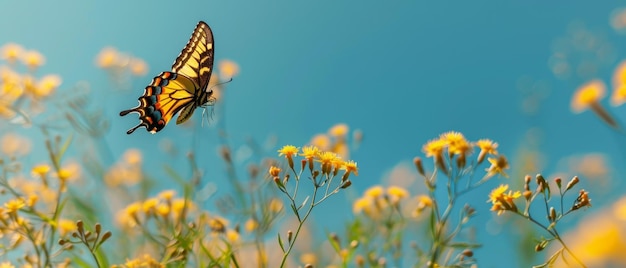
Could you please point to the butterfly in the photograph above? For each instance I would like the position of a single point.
(183, 89)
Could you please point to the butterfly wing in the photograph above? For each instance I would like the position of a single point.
(181, 90)
(196, 59)
(162, 99)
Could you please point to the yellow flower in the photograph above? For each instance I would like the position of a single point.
(133, 208)
(457, 144)
(619, 95)
(11, 52)
(33, 59)
(232, 236)
(503, 201)
(218, 224)
(396, 193)
(138, 67)
(132, 157)
(328, 159)
(14, 145)
(375, 191)
(619, 76)
(46, 86)
(40, 170)
(339, 130)
(288, 151)
(434, 148)
(321, 141)
(6, 264)
(66, 226)
(498, 165)
(274, 171)
(251, 225)
(587, 95)
(309, 152)
(167, 195)
(488, 146)
(362, 204)
(149, 205)
(163, 210)
(107, 57)
(350, 166)
(228, 69)
(275, 205)
(14, 205)
(423, 202)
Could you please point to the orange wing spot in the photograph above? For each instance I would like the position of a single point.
(167, 75)
(157, 81)
(149, 91)
(149, 119)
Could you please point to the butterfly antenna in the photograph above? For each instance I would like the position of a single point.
(222, 83)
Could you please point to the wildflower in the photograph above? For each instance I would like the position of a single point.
(6, 264)
(46, 86)
(40, 170)
(11, 52)
(424, 202)
(375, 191)
(138, 67)
(350, 167)
(66, 226)
(486, 147)
(275, 205)
(503, 201)
(582, 200)
(321, 141)
(274, 171)
(217, 224)
(107, 57)
(289, 151)
(232, 236)
(339, 130)
(327, 159)
(588, 96)
(33, 59)
(251, 225)
(149, 206)
(14, 205)
(132, 157)
(362, 204)
(167, 195)
(163, 210)
(457, 144)
(228, 69)
(396, 193)
(14, 145)
(434, 148)
(498, 165)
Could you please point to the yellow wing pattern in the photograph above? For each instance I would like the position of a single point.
(181, 90)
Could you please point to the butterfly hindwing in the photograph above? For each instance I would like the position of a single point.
(162, 99)
(183, 89)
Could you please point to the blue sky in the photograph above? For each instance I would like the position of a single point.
(403, 72)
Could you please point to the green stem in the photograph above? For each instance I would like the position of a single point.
(300, 224)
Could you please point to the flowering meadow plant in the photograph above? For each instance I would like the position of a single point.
(94, 212)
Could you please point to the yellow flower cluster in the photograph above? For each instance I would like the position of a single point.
(164, 207)
(503, 201)
(330, 162)
(453, 146)
(15, 86)
(336, 140)
(111, 59)
(378, 202)
(127, 171)
(145, 261)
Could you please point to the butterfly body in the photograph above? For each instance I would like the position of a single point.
(183, 89)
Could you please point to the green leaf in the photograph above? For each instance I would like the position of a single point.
(280, 243)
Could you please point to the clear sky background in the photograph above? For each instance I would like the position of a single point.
(401, 71)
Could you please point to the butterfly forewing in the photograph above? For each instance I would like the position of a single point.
(196, 59)
(183, 89)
